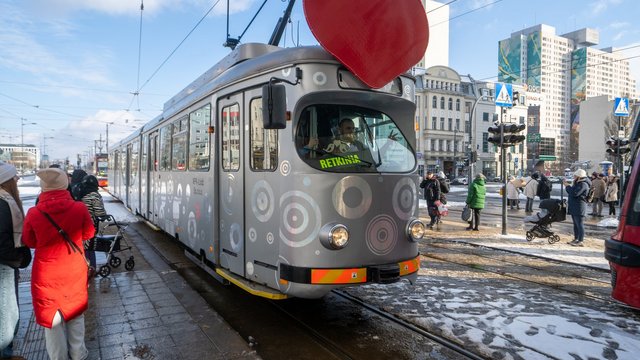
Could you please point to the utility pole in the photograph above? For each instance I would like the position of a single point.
(503, 160)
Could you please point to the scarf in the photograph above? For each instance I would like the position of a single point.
(16, 217)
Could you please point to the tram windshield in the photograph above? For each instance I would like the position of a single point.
(347, 138)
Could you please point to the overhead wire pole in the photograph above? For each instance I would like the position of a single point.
(503, 160)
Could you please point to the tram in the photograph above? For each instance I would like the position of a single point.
(247, 169)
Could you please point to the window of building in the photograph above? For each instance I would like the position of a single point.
(450, 124)
(458, 124)
(434, 123)
(264, 143)
(450, 104)
(442, 102)
(199, 122)
(441, 123)
(434, 102)
(457, 104)
(485, 116)
(485, 142)
(231, 137)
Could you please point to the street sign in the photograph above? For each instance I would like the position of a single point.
(533, 137)
(621, 107)
(547, 157)
(504, 94)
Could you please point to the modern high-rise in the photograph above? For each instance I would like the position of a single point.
(564, 70)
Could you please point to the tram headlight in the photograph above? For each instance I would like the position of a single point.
(334, 236)
(416, 230)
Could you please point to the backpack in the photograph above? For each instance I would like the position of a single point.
(444, 188)
(544, 187)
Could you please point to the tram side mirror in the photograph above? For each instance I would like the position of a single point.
(274, 106)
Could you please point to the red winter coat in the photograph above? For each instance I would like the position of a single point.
(59, 275)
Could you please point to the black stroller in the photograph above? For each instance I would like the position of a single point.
(551, 210)
(111, 244)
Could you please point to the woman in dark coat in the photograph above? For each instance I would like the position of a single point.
(578, 192)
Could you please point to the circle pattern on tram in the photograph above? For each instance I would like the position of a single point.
(192, 229)
(300, 218)
(262, 201)
(235, 237)
(227, 194)
(352, 197)
(405, 198)
(285, 168)
(382, 234)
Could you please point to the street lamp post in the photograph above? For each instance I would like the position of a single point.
(23, 123)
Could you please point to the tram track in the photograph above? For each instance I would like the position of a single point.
(570, 281)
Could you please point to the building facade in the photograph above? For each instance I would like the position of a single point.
(437, 52)
(566, 70)
(442, 121)
(25, 158)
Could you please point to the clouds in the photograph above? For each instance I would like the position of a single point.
(599, 6)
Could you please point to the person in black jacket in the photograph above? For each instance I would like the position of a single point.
(544, 187)
(431, 192)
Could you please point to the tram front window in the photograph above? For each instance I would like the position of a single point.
(346, 138)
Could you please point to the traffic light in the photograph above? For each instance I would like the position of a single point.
(618, 146)
(466, 161)
(510, 135)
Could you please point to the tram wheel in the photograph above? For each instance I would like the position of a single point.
(129, 264)
(105, 270)
(115, 261)
(529, 236)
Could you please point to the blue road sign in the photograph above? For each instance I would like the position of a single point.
(504, 94)
(621, 107)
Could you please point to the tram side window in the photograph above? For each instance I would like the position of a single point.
(231, 137)
(133, 166)
(179, 147)
(264, 143)
(144, 158)
(165, 148)
(199, 138)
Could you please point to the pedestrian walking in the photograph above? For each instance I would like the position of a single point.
(89, 195)
(611, 194)
(530, 191)
(431, 194)
(578, 192)
(55, 228)
(513, 193)
(11, 221)
(475, 199)
(599, 187)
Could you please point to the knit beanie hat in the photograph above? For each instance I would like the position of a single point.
(7, 172)
(53, 179)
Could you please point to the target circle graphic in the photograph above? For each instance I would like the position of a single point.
(226, 192)
(192, 228)
(319, 78)
(405, 198)
(253, 235)
(285, 168)
(249, 268)
(352, 197)
(300, 219)
(382, 234)
(262, 201)
(270, 238)
(235, 237)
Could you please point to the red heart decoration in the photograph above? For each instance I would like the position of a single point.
(376, 39)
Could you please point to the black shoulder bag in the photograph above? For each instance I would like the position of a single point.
(70, 243)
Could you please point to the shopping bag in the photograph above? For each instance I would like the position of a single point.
(466, 213)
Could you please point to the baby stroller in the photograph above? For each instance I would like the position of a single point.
(551, 210)
(111, 244)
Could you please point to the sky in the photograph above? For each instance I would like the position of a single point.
(69, 68)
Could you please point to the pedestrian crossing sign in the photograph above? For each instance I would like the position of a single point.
(504, 94)
(621, 107)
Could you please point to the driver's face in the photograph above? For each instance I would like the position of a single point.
(347, 130)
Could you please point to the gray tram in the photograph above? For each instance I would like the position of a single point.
(253, 169)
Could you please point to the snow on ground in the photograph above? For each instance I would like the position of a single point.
(608, 223)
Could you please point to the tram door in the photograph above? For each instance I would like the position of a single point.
(151, 176)
(231, 197)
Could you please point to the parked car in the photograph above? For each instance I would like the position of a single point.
(623, 248)
(460, 181)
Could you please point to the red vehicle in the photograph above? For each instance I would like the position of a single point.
(101, 163)
(623, 249)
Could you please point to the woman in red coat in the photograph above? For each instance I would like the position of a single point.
(59, 273)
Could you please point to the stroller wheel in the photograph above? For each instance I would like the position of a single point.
(115, 261)
(529, 236)
(129, 264)
(105, 270)
(553, 239)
